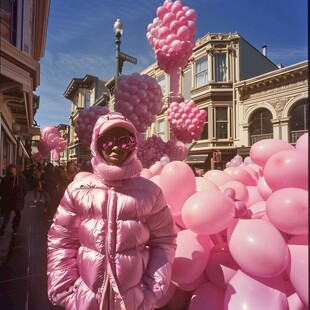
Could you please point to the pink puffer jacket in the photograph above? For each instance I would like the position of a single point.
(112, 242)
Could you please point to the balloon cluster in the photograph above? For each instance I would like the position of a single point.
(50, 141)
(139, 98)
(172, 35)
(243, 232)
(86, 122)
(186, 120)
(153, 148)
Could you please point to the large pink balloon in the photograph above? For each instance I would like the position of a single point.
(257, 247)
(218, 177)
(208, 212)
(221, 266)
(178, 182)
(191, 257)
(262, 150)
(254, 195)
(189, 287)
(287, 169)
(263, 188)
(288, 210)
(207, 296)
(248, 292)
(241, 192)
(298, 266)
(204, 183)
(241, 175)
(302, 143)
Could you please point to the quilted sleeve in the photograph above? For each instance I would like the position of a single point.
(162, 245)
(62, 247)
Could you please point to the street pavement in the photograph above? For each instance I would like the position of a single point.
(23, 279)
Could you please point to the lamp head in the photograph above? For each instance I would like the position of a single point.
(118, 27)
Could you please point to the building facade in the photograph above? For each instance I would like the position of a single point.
(246, 96)
(233, 81)
(83, 93)
(23, 25)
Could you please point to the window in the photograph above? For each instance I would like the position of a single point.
(220, 67)
(299, 121)
(161, 129)
(261, 126)
(8, 9)
(201, 77)
(221, 123)
(205, 133)
(87, 100)
(161, 80)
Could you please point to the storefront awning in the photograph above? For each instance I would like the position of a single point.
(196, 159)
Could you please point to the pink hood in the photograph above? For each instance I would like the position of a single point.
(113, 175)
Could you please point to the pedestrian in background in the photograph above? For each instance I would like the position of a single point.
(49, 182)
(66, 177)
(13, 190)
(113, 240)
(37, 186)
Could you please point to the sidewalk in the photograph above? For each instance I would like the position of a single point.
(23, 280)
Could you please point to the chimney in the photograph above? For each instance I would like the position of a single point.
(264, 47)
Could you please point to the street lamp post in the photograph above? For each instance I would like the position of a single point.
(118, 30)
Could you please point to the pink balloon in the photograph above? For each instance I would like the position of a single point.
(241, 175)
(298, 266)
(293, 299)
(263, 189)
(302, 143)
(288, 210)
(208, 212)
(262, 150)
(241, 192)
(221, 266)
(146, 173)
(254, 195)
(189, 287)
(258, 209)
(177, 175)
(36, 157)
(248, 292)
(156, 179)
(287, 169)
(204, 183)
(218, 177)
(207, 296)
(192, 255)
(257, 247)
(156, 168)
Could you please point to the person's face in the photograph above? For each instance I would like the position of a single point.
(71, 167)
(115, 155)
(13, 172)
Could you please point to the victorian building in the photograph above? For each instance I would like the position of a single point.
(247, 98)
(22, 43)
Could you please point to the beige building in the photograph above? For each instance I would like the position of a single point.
(243, 93)
(83, 93)
(23, 25)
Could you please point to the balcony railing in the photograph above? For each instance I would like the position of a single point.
(295, 135)
(255, 138)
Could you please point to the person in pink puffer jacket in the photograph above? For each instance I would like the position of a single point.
(113, 240)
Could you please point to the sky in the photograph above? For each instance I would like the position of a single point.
(80, 39)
